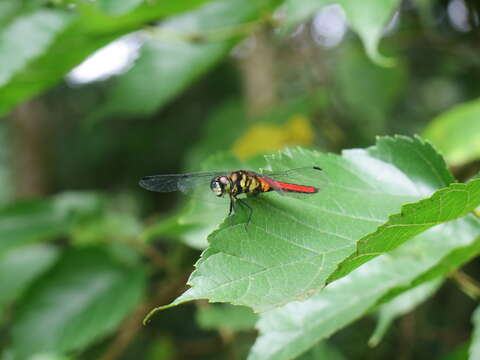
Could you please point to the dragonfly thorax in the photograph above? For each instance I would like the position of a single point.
(220, 185)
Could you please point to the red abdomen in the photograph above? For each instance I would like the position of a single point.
(304, 189)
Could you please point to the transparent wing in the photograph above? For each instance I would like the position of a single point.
(178, 182)
(306, 176)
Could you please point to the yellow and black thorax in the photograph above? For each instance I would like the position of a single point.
(247, 182)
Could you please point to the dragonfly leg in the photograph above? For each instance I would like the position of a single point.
(249, 208)
(232, 206)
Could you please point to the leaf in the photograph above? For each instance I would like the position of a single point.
(171, 60)
(110, 226)
(402, 305)
(28, 221)
(456, 133)
(38, 48)
(474, 350)
(11, 9)
(292, 247)
(40, 28)
(19, 267)
(322, 351)
(79, 301)
(114, 7)
(232, 318)
(458, 353)
(292, 329)
(449, 203)
(44, 356)
(369, 91)
(368, 18)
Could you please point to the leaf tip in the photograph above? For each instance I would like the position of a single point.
(148, 318)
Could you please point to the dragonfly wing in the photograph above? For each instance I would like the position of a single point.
(177, 182)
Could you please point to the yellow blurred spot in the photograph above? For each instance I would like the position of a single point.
(261, 138)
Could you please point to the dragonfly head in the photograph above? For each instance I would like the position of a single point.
(220, 185)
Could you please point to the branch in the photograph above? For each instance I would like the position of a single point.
(467, 284)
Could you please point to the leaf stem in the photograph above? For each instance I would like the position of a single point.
(467, 284)
(220, 34)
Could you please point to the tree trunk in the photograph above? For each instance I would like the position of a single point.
(30, 149)
(258, 73)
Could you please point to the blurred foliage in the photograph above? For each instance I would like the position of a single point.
(227, 317)
(96, 94)
(457, 133)
(401, 305)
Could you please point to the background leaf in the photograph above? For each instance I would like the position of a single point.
(82, 299)
(322, 351)
(20, 266)
(401, 305)
(63, 40)
(172, 58)
(456, 133)
(232, 318)
(44, 24)
(28, 221)
(369, 91)
(367, 18)
(474, 350)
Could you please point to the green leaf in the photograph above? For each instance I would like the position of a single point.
(37, 49)
(10, 9)
(456, 133)
(232, 318)
(458, 353)
(45, 356)
(447, 204)
(40, 28)
(367, 18)
(114, 7)
(402, 305)
(474, 350)
(292, 247)
(111, 226)
(171, 59)
(28, 221)
(369, 91)
(79, 301)
(292, 329)
(19, 267)
(322, 351)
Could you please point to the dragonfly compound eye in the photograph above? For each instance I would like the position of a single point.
(217, 187)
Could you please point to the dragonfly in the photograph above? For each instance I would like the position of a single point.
(235, 183)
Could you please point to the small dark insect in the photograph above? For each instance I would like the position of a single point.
(234, 183)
